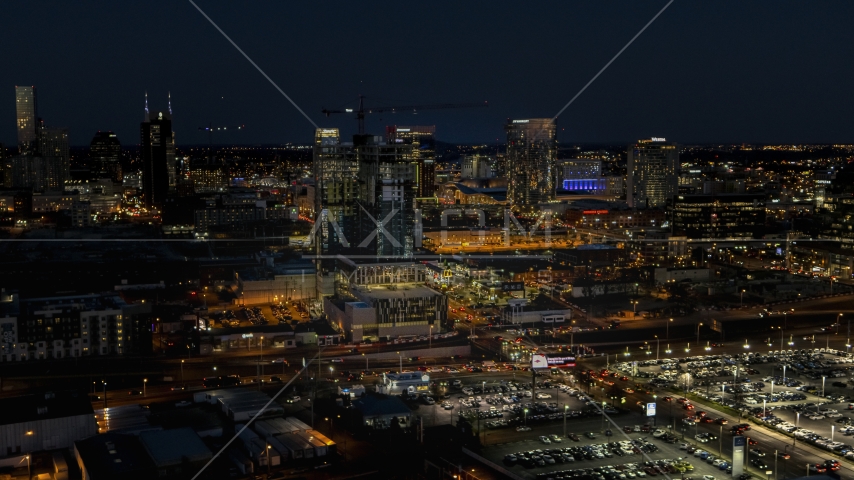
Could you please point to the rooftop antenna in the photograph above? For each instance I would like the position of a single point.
(146, 105)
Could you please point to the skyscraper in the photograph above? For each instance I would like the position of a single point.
(360, 185)
(53, 143)
(104, 151)
(157, 151)
(531, 160)
(423, 140)
(26, 107)
(653, 173)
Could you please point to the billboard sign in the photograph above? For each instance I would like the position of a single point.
(560, 360)
(738, 445)
(512, 286)
(650, 409)
(539, 361)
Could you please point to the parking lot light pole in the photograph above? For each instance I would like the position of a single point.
(775, 463)
(797, 422)
(565, 408)
(657, 347)
(823, 378)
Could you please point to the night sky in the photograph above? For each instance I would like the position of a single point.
(721, 71)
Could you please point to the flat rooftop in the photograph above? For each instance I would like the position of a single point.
(397, 291)
(45, 406)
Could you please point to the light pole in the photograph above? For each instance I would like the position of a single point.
(698, 332)
(742, 297)
(667, 332)
(797, 422)
(366, 363)
(430, 342)
(182, 372)
(823, 378)
(144, 383)
(657, 347)
(261, 361)
(526, 417)
(565, 408)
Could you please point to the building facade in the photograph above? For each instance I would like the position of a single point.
(531, 162)
(653, 173)
(74, 326)
(478, 166)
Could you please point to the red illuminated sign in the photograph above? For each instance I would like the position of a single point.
(595, 212)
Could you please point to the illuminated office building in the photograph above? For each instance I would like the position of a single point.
(653, 173)
(26, 107)
(719, 215)
(423, 154)
(531, 162)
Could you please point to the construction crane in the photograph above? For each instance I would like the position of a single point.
(211, 129)
(360, 113)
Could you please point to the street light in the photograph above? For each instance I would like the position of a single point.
(698, 332)
(565, 408)
(144, 383)
(823, 378)
(668, 351)
(667, 333)
(742, 297)
(657, 346)
(182, 372)
(746, 345)
(688, 348)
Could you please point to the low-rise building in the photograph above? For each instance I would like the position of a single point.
(675, 275)
(45, 421)
(384, 301)
(380, 411)
(175, 452)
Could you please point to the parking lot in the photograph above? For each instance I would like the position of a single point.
(272, 314)
(586, 451)
(809, 403)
